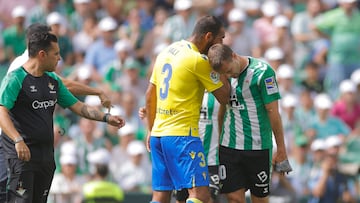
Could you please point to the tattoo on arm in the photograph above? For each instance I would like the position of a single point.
(90, 113)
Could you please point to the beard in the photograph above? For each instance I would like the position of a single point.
(207, 47)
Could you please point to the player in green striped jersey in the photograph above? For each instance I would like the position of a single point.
(247, 125)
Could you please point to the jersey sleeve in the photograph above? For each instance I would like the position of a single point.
(10, 88)
(268, 86)
(327, 21)
(65, 98)
(206, 75)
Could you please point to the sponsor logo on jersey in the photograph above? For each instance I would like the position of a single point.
(270, 85)
(215, 77)
(33, 88)
(43, 104)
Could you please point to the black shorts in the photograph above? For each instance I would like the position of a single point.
(245, 169)
(29, 182)
(183, 194)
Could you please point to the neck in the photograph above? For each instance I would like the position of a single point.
(33, 68)
(243, 62)
(201, 46)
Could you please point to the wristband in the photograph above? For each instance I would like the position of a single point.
(18, 139)
(106, 117)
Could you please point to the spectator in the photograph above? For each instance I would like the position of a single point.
(285, 76)
(132, 31)
(290, 123)
(328, 184)
(305, 111)
(119, 153)
(134, 175)
(180, 25)
(58, 27)
(131, 80)
(312, 80)
(282, 37)
(263, 26)
(355, 77)
(14, 36)
(87, 141)
(275, 57)
(342, 26)
(346, 107)
(42, 9)
(241, 38)
(66, 185)
(102, 51)
(99, 189)
(78, 16)
(299, 160)
(84, 38)
(304, 37)
(325, 124)
(115, 69)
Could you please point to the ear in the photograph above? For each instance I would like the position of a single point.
(208, 36)
(42, 54)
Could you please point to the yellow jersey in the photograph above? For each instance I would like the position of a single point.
(181, 74)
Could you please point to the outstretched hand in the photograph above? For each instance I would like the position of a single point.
(105, 101)
(116, 121)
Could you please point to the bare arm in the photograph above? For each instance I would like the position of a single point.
(223, 93)
(8, 127)
(78, 88)
(150, 106)
(276, 125)
(93, 113)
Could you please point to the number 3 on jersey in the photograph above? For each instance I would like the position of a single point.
(167, 73)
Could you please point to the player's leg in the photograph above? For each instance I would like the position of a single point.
(259, 175)
(237, 196)
(43, 177)
(187, 165)
(255, 199)
(214, 182)
(199, 194)
(232, 174)
(21, 182)
(3, 174)
(181, 195)
(161, 181)
(161, 196)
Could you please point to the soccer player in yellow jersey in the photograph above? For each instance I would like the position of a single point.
(180, 75)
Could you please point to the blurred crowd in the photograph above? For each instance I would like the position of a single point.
(313, 45)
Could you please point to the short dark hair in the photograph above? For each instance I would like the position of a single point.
(40, 41)
(219, 53)
(207, 24)
(102, 170)
(36, 28)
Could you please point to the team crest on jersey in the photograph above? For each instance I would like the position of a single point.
(20, 190)
(51, 87)
(271, 86)
(215, 77)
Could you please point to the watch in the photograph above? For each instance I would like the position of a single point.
(18, 139)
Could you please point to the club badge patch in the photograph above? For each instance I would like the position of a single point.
(271, 86)
(215, 77)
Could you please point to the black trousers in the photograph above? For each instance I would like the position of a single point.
(29, 182)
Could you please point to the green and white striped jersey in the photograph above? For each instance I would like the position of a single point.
(208, 128)
(246, 123)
